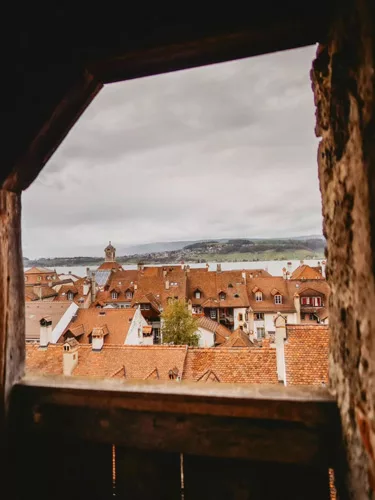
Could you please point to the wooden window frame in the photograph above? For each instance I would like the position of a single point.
(247, 410)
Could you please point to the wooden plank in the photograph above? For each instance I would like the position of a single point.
(12, 315)
(73, 90)
(222, 479)
(114, 417)
(313, 406)
(57, 467)
(145, 474)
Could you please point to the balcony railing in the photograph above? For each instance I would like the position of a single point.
(78, 438)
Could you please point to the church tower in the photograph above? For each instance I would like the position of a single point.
(110, 253)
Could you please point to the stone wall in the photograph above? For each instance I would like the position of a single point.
(343, 84)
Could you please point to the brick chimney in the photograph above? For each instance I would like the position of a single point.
(218, 268)
(45, 335)
(167, 284)
(280, 336)
(70, 356)
(284, 273)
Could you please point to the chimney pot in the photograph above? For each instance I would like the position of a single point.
(45, 331)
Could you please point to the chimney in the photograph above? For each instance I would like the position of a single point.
(93, 286)
(190, 307)
(207, 266)
(244, 276)
(284, 273)
(140, 266)
(218, 268)
(88, 272)
(164, 273)
(297, 307)
(45, 335)
(301, 262)
(280, 336)
(70, 356)
(97, 338)
(135, 286)
(167, 285)
(323, 268)
(86, 288)
(289, 266)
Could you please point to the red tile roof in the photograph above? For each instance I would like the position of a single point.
(238, 339)
(125, 362)
(270, 287)
(306, 354)
(108, 266)
(231, 365)
(117, 321)
(305, 272)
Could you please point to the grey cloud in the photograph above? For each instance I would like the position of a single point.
(222, 151)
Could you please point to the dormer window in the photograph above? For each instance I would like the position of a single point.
(230, 285)
(70, 295)
(39, 278)
(258, 296)
(222, 296)
(278, 299)
(114, 295)
(197, 294)
(129, 294)
(236, 296)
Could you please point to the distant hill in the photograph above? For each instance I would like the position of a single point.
(230, 250)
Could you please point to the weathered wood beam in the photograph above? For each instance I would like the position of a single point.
(12, 302)
(277, 424)
(310, 405)
(49, 123)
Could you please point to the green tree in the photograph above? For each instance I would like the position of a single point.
(179, 326)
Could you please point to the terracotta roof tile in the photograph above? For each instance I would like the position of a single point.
(125, 362)
(35, 311)
(306, 354)
(117, 321)
(231, 365)
(238, 339)
(305, 272)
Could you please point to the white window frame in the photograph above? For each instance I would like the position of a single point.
(261, 332)
(258, 296)
(278, 299)
(70, 295)
(213, 313)
(114, 295)
(197, 294)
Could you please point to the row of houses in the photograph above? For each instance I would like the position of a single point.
(224, 301)
(297, 356)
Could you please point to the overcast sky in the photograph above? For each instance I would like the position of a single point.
(222, 151)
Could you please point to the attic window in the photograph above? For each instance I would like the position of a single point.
(230, 285)
(128, 294)
(258, 296)
(70, 295)
(102, 313)
(222, 296)
(114, 295)
(236, 296)
(278, 299)
(197, 294)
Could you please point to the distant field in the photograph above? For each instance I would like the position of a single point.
(261, 256)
